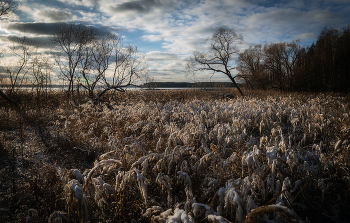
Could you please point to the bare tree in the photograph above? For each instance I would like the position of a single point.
(18, 69)
(71, 41)
(108, 64)
(291, 60)
(251, 66)
(219, 58)
(281, 62)
(86, 77)
(7, 6)
(41, 69)
(97, 59)
(128, 67)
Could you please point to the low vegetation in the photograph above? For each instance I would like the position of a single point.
(176, 156)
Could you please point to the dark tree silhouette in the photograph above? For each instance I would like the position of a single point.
(251, 67)
(325, 66)
(7, 6)
(72, 41)
(219, 58)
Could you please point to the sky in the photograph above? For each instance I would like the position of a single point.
(167, 32)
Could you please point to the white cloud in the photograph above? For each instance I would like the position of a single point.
(42, 13)
(306, 36)
(160, 56)
(91, 17)
(87, 3)
(182, 27)
(165, 66)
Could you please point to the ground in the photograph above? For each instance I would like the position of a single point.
(254, 149)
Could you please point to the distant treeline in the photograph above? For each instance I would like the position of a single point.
(148, 85)
(323, 66)
(188, 85)
(35, 86)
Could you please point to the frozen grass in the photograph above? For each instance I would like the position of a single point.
(178, 156)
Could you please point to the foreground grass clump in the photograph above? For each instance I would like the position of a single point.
(150, 158)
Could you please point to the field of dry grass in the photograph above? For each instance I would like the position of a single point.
(176, 156)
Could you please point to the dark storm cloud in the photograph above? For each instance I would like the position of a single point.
(36, 28)
(57, 15)
(141, 6)
(29, 41)
(51, 28)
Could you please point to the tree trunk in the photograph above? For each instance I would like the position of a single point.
(234, 82)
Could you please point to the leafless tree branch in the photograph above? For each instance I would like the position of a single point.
(218, 58)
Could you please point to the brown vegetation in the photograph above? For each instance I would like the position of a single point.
(145, 154)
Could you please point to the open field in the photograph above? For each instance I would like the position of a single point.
(177, 156)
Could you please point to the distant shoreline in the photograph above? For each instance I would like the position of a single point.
(147, 86)
(188, 85)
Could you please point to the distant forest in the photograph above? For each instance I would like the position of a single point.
(188, 85)
(323, 66)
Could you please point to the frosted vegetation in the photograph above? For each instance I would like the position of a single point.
(277, 159)
(178, 162)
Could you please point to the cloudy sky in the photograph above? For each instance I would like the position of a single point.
(168, 31)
